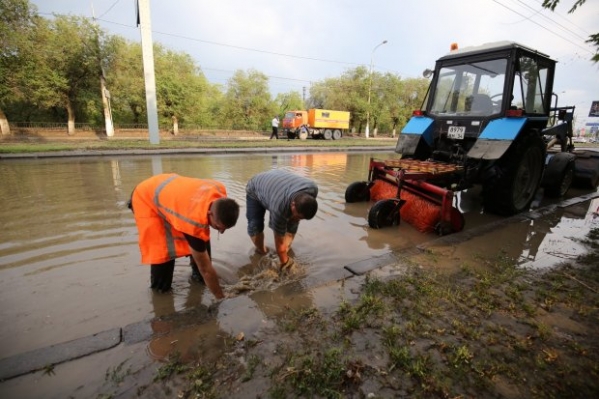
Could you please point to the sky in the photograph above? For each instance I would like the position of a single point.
(295, 43)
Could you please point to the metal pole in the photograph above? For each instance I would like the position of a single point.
(148, 62)
(367, 131)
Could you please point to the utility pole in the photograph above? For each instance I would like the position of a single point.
(103, 90)
(367, 131)
(143, 21)
(106, 105)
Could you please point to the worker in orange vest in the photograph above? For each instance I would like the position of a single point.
(173, 215)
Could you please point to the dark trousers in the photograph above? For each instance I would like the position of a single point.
(275, 133)
(161, 276)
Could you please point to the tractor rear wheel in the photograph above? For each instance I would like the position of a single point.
(516, 178)
(357, 192)
(384, 213)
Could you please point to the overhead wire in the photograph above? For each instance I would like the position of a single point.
(308, 58)
(543, 27)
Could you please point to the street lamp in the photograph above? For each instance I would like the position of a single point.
(367, 131)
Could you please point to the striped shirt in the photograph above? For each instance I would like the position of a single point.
(275, 190)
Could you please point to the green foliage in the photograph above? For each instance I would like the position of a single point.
(50, 71)
(248, 102)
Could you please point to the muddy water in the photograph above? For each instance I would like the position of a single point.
(69, 262)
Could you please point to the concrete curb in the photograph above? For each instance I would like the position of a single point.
(176, 151)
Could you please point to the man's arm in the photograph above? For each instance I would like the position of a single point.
(281, 248)
(282, 245)
(289, 240)
(204, 265)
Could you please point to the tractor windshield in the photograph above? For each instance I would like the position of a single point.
(470, 89)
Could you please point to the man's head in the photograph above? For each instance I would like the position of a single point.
(223, 214)
(303, 206)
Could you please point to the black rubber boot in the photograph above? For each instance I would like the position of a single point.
(161, 276)
(195, 273)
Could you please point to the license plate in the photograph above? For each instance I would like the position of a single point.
(456, 132)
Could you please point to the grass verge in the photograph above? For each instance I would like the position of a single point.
(135, 144)
(491, 329)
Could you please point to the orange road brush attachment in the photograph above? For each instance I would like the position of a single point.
(427, 207)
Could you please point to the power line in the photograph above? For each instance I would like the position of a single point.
(241, 47)
(544, 27)
(109, 8)
(540, 13)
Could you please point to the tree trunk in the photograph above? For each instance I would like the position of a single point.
(175, 125)
(71, 116)
(106, 105)
(4, 127)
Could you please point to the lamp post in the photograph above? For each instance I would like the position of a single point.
(367, 131)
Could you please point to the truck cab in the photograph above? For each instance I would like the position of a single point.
(293, 120)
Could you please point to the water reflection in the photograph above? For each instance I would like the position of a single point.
(69, 262)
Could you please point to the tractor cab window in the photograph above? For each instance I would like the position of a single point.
(470, 88)
(529, 86)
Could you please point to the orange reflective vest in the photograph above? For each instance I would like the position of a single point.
(166, 206)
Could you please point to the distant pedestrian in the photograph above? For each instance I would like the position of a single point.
(275, 128)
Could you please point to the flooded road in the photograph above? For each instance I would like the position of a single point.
(69, 261)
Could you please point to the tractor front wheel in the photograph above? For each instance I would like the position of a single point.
(358, 191)
(384, 213)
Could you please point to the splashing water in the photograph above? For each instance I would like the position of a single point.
(266, 276)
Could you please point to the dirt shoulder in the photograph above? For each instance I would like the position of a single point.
(487, 329)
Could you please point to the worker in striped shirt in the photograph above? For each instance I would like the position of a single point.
(289, 198)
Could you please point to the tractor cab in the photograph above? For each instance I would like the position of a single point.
(474, 94)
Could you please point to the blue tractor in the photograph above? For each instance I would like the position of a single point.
(489, 118)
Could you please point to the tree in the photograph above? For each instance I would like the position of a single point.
(181, 88)
(593, 39)
(288, 101)
(248, 103)
(74, 55)
(125, 80)
(18, 21)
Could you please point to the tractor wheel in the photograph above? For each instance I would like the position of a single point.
(328, 134)
(516, 177)
(337, 134)
(563, 184)
(455, 225)
(384, 213)
(357, 192)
